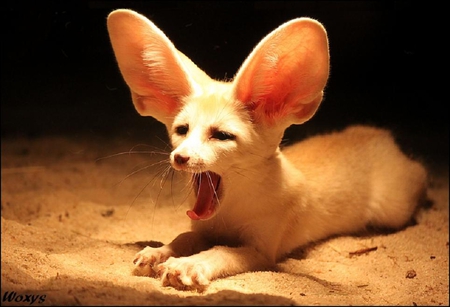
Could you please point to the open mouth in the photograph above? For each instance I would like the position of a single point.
(206, 187)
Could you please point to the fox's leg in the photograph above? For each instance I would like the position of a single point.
(196, 271)
(185, 244)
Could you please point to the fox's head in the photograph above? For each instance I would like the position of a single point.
(220, 127)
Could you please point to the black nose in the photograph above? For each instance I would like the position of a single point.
(180, 160)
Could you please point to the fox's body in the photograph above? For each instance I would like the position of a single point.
(329, 184)
(252, 203)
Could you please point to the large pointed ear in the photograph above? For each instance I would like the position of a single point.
(158, 75)
(282, 80)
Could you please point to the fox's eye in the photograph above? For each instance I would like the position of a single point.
(182, 130)
(222, 135)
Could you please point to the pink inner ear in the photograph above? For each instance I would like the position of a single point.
(285, 72)
(149, 63)
(154, 106)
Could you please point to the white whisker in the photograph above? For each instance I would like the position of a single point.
(153, 152)
(213, 187)
(140, 170)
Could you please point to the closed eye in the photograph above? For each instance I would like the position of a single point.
(222, 135)
(182, 130)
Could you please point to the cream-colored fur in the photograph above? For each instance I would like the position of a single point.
(251, 202)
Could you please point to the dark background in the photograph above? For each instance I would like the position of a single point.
(59, 75)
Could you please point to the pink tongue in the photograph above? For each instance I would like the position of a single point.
(204, 206)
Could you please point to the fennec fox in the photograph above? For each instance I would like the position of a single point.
(251, 202)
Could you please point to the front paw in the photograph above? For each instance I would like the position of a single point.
(184, 273)
(146, 260)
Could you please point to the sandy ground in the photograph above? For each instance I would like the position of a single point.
(71, 224)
